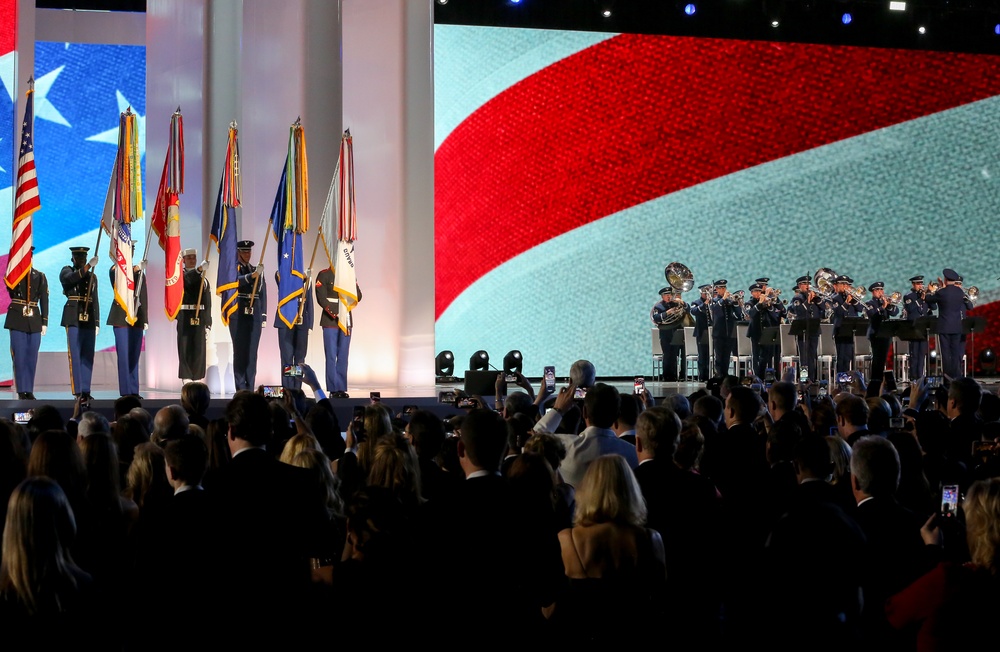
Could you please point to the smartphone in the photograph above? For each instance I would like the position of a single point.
(581, 392)
(467, 403)
(822, 391)
(844, 377)
(21, 417)
(375, 396)
(804, 375)
(640, 386)
(550, 379)
(510, 378)
(949, 500)
(294, 370)
(409, 409)
(933, 382)
(447, 397)
(769, 375)
(889, 382)
(274, 391)
(358, 422)
(897, 423)
(834, 432)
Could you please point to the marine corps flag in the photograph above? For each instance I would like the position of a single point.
(289, 220)
(341, 203)
(166, 220)
(224, 227)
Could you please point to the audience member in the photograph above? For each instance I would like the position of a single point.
(600, 409)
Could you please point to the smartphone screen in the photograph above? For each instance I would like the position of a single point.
(510, 378)
(933, 382)
(843, 377)
(640, 385)
(293, 370)
(446, 397)
(581, 392)
(550, 379)
(467, 403)
(375, 396)
(804, 375)
(949, 500)
(21, 417)
(274, 391)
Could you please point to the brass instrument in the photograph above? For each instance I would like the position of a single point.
(858, 293)
(770, 295)
(680, 278)
(973, 294)
(932, 288)
(896, 298)
(823, 279)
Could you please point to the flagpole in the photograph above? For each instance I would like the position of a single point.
(263, 249)
(31, 89)
(142, 270)
(201, 289)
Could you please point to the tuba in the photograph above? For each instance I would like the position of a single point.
(679, 277)
(823, 280)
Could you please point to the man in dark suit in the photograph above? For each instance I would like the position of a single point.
(895, 556)
(128, 337)
(267, 515)
(27, 320)
(952, 304)
(684, 508)
(852, 418)
(80, 317)
(964, 398)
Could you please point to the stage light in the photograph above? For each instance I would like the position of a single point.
(996, 29)
(988, 360)
(606, 13)
(515, 2)
(922, 30)
(444, 364)
(480, 361)
(846, 18)
(442, 2)
(512, 362)
(690, 9)
(897, 6)
(774, 23)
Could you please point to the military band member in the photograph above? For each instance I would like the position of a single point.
(845, 306)
(80, 317)
(194, 320)
(915, 307)
(772, 318)
(806, 304)
(250, 318)
(879, 309)
(336, 343)
(294, 342)
(755, 314)
(128, 338)
(702, 319)
(666, 314)
(27, 320)
(726, 311)
(952, 304)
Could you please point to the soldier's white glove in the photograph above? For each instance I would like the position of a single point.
(208, 332)
(92, 262)
(142, 266)
(44, 329)
(258, 270)
(97, 331)
(309, 273)
(145, 327)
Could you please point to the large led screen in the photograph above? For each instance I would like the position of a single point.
(80, 89)
(572, 167)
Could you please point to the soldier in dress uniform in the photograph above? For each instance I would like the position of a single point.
(845, 305)
(250, 318)
(726, 311)
(194, 320)
(952, 304)
(771, 318)
(665, 315)
(294, 342)
(80, 316)
(336, 343)
(27, 320)
(702, 319)
(806, 304)
(755, 314)
(128, 337)
(878, 309)
(915, 307)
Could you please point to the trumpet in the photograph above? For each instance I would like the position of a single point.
(895, 298)
(771, 295)
(932, 288)
(733, 296)
(858, 293)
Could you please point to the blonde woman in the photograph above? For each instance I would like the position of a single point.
(610, 559)
(296, 445)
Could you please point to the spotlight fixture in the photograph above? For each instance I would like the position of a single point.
(846, 18)
(775, 23)
(442, 2)
(921, 30)
(897, 6)
(513, 362)
(444, 367)
(996, 29)
(690, 9)
(606, 13)
(480, 361)
(605, 7)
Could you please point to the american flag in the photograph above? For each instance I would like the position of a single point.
(26, 202)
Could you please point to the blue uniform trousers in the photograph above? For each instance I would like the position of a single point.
(81, 357)
(337, 347)
(24, 353)
(128, 345)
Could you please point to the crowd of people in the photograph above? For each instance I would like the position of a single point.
(739, 514)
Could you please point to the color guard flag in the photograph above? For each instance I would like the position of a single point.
(166, 220)
(289, 220)
(224, 228)
(26, 200)
(127, 209)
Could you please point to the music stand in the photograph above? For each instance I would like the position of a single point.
(769, 336)
(971, 326)
(804, 327)
(928, 326)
